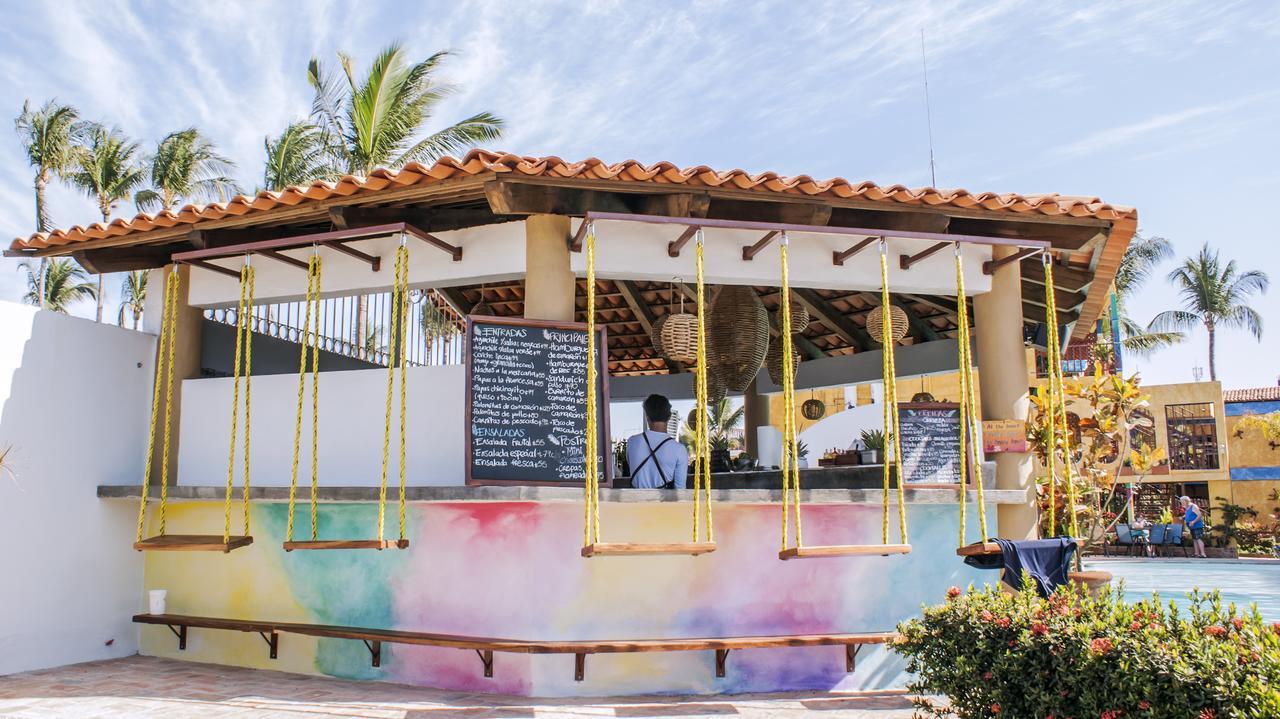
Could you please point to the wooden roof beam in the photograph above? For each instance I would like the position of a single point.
(834, 320)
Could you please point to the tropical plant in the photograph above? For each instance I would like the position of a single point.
(297, 156)
(436, 321)
(48, 139)
(872, 440)
(1114, 408)
(376, 120)
(724, 428)
(186, 166)
(1141, 258)
(1073, 655)
(104, 169)
(1214, 294)
(64, 283)
(1267, 425)
(133, 296)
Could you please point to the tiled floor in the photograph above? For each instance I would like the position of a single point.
(151, 687)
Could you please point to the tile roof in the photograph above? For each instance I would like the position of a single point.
(1256, 394)
(478, 162)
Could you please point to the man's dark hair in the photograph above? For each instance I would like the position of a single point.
(657, 408)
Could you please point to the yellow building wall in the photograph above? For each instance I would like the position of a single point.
(1163, 395)
(832, 397)
(1250, 450)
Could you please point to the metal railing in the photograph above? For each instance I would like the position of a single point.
(357, 326)
(1080, 358)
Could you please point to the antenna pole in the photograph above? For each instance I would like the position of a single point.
(928, 112)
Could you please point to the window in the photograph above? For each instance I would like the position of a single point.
(1193, 436)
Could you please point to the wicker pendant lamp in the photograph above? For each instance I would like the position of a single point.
(738, 336)
(677, 333)
(655, 335)
(773, 360)
(799, 316)
(813, 409)
(898, 318)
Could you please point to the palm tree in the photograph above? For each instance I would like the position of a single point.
(299, 155)
(1139, 261)
(105, 171)
(376, 120)
(1215, 295)
(48, 138)
(725, 429)
(65, 282)
(133, 296)
(186, 166)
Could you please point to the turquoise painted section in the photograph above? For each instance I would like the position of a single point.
(1237, 409)
(513, 570)
(1252, 473)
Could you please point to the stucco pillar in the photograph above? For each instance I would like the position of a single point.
(186, 360)
(1002, 373)
(755, 415)
(549, 285)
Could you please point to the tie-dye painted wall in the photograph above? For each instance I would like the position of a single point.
(513, 570)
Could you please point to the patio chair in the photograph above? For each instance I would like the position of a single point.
(1124, 538)
(1173, 538)
(1158, 533)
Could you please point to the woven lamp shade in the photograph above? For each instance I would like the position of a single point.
(716, 388)
(875, 320)
(679, 338)
(773, 360)
(655, 335)
(799, 316)
(738, 336)
(813, 409)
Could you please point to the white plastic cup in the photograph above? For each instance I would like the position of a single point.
(155, 600)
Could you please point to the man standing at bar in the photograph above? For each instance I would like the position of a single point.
(657, 460)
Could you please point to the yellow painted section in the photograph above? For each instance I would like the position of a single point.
(1257, 495)
(1250, 449)
(832, 397)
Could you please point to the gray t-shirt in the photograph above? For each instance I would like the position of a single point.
(669, 462)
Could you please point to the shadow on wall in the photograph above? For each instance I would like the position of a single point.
(74, 404)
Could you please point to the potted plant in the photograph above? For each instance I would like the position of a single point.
(872, 446)
(802, 453)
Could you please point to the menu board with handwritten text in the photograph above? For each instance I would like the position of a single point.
(526, 402)
(930, 442)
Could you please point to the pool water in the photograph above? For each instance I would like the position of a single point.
(1239, 582)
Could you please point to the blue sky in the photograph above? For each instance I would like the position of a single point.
(1169, 106)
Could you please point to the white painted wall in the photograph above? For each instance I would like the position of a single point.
(633, 250)
(352, 411)
(74, 405)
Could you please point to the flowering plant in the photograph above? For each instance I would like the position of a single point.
(1072, 655)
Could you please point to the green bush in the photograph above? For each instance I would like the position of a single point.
(1071, 655)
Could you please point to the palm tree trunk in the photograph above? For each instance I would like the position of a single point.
(105, 209)
(44, 262)
(1213, 365)
(99, 317)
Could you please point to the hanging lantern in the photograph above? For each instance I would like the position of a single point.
(898, 318)
(813, 409)
(773, 360)
(482, 309)
(679, 338)
(738, 336)
(716, 388)
(922, 397)
(799, 316)
(655, 335)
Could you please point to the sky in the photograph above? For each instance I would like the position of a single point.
(1171, 107)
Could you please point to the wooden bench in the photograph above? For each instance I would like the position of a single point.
(484, 647)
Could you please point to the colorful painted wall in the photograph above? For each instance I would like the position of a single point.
(1255, 461)
(513, 570)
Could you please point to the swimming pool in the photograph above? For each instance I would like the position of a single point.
(1239, 582)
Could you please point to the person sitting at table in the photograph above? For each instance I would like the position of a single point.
(657, 460)
(1141, 530)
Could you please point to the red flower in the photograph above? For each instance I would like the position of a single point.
(1135, 626)
(1275, 627)
(1112, 714)
(1213, 630)
(1003, 622)
(986, 676)
(953, 592)
(1101, 645)
(1144, 705)
(1208, 714)
(1238, 623)
(1039, 628)
(987, 616)
(995, 708)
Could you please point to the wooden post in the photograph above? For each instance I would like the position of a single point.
(756, 415)
(186, 360)
(1002, 383)
(549, 284)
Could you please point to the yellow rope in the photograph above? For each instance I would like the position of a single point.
(243, 349)
(248, 379)
(163, 374)
(968, 408)
(591, 477)
(310, 345)
(788, 462)
(891, 423)
(399, 276)
(702, 433)
(1057, 408)
(404, 381)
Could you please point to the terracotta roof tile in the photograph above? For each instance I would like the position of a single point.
(479, 162)
(1256, 394)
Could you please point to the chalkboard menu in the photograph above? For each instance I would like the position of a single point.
(930, 442)
(526, 402)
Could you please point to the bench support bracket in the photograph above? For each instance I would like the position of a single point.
(579, 667)
(272, 640)
(851, 657)
(721, 656)
(179, 631)
(486, 658)
(375, 652)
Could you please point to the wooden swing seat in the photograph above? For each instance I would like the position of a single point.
(378, 544)
(844, 550)
(985, 549)
(192, 543)
(605, 549)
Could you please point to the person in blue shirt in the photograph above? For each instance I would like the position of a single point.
(656, 459)
(1194, 518)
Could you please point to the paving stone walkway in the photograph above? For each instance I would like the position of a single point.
(138, 687)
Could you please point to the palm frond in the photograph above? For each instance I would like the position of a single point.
(472, 132)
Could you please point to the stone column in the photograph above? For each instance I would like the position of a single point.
(756, 415)
(186, 360)
(1002, 383)
(549, 284)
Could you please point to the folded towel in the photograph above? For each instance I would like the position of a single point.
(1047, 561)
